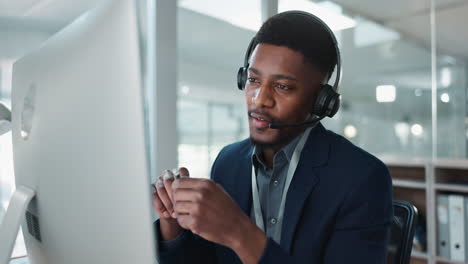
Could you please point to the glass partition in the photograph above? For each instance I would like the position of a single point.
(451, 74)
(386, 84)
(212, 39)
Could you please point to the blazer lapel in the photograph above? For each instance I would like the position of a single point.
(242, 193)
(306, 177)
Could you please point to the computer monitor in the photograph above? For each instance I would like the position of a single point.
(79, 143)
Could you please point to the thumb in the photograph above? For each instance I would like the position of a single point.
(183, 172)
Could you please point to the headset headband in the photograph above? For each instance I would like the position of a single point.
(336, 84)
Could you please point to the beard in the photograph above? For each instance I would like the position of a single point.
(286, 136)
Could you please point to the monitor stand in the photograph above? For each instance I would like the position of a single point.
(11, 222)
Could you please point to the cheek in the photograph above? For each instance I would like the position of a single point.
(294, 108)
(250, 94)
(248, 99)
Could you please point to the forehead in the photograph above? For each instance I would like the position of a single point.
(273, 59)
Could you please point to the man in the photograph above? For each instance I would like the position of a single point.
(336, 206)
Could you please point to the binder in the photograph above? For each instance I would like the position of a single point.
(457, 227)
(443, 237)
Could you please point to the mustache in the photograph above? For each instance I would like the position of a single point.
(271, 118)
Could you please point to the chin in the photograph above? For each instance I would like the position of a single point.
(261, 143)
(265, 137)
(270, 137)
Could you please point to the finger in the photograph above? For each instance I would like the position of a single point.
(183, 172)
(185, 207)
(159, 207)
(192, 183)
(161, 190)
(187, 195)
(185, 221)
(168, 180)
(168, 174)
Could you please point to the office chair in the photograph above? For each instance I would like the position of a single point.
(402, 232)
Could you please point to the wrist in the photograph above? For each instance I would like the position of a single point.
(169, 228)
(250, 243)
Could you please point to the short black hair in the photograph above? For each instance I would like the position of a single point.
(302, 32)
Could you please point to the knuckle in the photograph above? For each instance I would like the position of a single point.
(199, 197)
(203, 194)
(208, 183)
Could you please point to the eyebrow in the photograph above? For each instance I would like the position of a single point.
(276, 76)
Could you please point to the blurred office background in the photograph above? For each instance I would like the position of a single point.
(404, 86)
(387, 88)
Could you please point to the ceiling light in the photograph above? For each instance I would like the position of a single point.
(445, 97)
(385, 93)
(334, 19)
(241, 13)
(251, 12)
(417, 130)
(350, 131)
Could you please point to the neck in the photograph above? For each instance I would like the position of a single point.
(268, 153)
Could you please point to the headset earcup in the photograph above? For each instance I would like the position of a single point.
(333, 105)
(241, 78)
(327, 102)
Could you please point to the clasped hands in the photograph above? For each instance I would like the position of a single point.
(203, 207)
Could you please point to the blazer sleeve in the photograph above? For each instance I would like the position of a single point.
(187, 248)
(362, 229)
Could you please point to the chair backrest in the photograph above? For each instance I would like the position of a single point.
(402, 232)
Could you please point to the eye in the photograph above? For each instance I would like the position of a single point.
(282, 86)
(252, 80)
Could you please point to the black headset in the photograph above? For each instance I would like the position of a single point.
(328, 100)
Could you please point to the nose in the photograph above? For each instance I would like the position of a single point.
(262, 97)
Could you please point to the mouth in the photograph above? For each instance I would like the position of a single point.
(260, 121)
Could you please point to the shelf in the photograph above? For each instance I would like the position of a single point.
(448, 261)
(451, 164)
(404, 162)
(419, 181)
(409, 184)
(419, 255)
(451, 187)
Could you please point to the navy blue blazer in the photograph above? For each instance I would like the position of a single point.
(338, 207)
